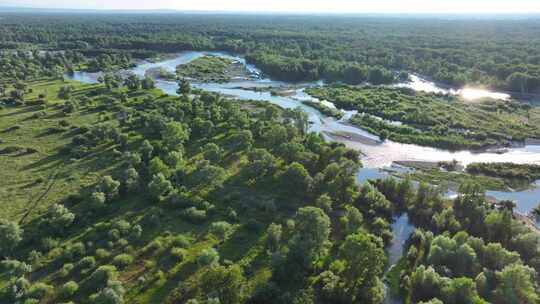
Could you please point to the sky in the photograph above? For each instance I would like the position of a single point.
(306, 6)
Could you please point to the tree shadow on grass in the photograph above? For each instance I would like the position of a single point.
(49, 161)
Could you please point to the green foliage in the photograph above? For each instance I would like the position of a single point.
(312, 229)
(10, 235)
(122, 260)
(208, 257)
(69, 289)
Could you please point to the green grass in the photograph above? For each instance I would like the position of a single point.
(25, 177)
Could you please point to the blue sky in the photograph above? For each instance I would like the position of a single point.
(332, 6)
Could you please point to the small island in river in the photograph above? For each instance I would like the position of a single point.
(211, 68)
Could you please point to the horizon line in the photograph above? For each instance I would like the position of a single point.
(4, 8)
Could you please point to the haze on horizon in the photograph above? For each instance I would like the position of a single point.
(305, 6)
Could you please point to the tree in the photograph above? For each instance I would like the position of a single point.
(97, 199)
(58, 218)
(240, 141)
(224, 283)
(146, 150)
(109, 186)
(352, 221)
(208, 257)
(311, 231)
(262, 165)
(10, 236)
(220, 229)
(383, 134)
(516, 284)
(184, 87)
(208, 177)
(273, 237)
(132, 82)
(461, 291)
(212, 152)
(107, 296)
(425, 284)
(69, 289)
(131, 179)
(365, 259)
(159, 186)
(174, 135)
(148, 83)
(157, 166)
(65, 92)
(296, 179)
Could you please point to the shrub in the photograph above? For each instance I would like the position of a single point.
(122, 260)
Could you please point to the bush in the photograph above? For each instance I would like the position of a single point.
(69, 289)
(122, 260)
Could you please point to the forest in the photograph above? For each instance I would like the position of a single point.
(117, 192)
(499, 54)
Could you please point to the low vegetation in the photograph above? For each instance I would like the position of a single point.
(211, 69)
(434, 120)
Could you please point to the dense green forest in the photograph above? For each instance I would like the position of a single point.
(501, 54)
(116, 192)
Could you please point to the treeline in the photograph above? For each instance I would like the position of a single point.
(528, 173)
(349, 49)
(26, 65)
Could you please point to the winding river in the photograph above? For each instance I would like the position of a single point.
(376, 154)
